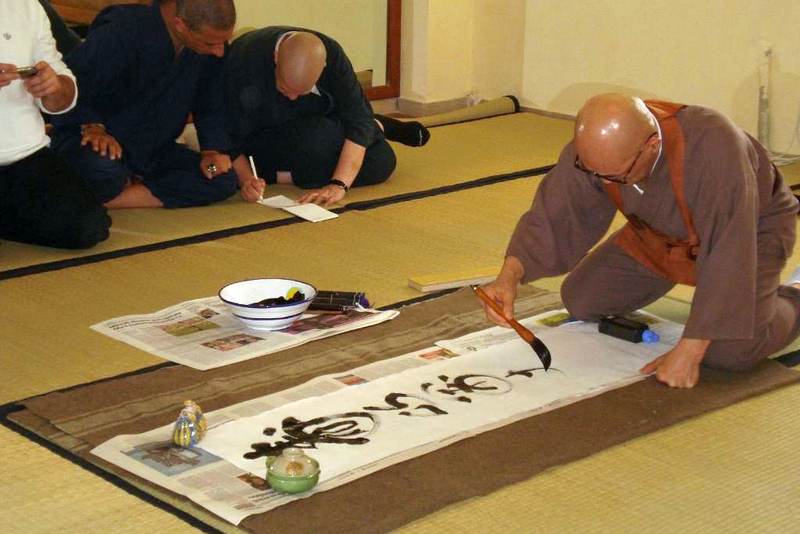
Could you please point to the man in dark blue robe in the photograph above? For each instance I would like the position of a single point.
(296, 107)
(143, 70)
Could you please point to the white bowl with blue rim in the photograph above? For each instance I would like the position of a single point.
(245, 301)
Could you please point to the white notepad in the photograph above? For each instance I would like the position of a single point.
(309, 212)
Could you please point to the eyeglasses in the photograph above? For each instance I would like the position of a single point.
(615, 178)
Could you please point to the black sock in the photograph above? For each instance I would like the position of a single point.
(409, 133)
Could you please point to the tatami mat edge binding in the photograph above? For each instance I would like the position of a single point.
(210, 236)
(790, 359)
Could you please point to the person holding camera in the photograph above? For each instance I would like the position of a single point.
(41, 201)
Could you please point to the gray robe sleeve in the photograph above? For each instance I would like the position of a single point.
(569, 215)
(725, 208)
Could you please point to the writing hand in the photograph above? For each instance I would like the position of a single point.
(252, 189)
(503, 292)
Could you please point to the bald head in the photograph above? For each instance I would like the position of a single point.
(299, 63)
(610, 129)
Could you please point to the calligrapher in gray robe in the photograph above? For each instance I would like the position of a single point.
(743, 212)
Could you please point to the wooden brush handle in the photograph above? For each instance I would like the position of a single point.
(523, 332)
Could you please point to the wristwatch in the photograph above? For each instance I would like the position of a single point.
(340, 184)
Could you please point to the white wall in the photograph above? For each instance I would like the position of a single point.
(455, 48)
(498, 47)
(703, 51)
(556, 53)
(358, 25)
(436, 58)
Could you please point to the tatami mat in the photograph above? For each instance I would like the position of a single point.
(730, 471)
(734, 470)
(791, 173)
(41, 492)
(455, 154)
(373, 251)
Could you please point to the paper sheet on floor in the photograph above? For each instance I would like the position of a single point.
(309, 212)
(358, 422)
(204, 334)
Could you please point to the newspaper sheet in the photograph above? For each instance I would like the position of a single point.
(431, 398)
(204, 334)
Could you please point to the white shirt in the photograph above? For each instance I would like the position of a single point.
(658, 129)
(25, 39)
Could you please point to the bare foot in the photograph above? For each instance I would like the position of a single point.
(283, 177)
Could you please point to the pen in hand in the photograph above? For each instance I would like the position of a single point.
(255, 175)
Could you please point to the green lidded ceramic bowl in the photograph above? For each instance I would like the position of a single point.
(292, 472)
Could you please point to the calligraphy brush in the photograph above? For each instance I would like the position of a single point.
(536, 344)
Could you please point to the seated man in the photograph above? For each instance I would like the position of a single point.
(41, 200)
(705, 207)
(142, 70)
(295, 106)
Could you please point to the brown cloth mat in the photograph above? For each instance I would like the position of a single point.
(83, 417)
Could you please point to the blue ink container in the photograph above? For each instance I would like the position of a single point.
(627, 329)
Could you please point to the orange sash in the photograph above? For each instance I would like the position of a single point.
(669, 257)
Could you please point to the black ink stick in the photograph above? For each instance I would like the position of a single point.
(627, 329)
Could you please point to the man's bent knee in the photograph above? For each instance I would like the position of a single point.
(578, 301)
(107, 178)
(90, 229)
(733, 355)
(220, 188)
(379, 164)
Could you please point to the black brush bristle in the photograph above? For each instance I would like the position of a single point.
(543, 352)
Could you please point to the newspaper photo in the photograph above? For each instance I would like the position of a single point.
(204, 334)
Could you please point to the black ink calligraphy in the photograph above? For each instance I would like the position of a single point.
(350, 428)
(394, 403)
(467, 384)
(528, 373)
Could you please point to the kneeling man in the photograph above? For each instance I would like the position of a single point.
(705, 207)
(296, 107)
(142, 71)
